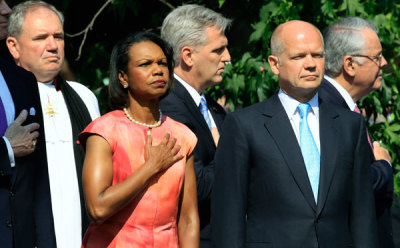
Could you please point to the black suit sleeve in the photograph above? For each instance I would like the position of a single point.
(382, 179)
(5, 167)
(363, 218)
(229, 196)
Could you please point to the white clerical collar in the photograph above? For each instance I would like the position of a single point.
(343, 92)
(195, 95)
(290, 104)
(47, 83)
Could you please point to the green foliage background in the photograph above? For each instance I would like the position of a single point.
(248, 79)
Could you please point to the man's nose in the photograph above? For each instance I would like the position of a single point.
(51, 44)
(226, 56)
(309, 62)
(383, 62)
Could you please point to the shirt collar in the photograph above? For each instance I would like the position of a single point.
(195, 95)
(290, 104)
(343, 92)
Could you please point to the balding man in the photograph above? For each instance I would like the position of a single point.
(286, 175)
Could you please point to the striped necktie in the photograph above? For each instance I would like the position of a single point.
(204, 111)
(357, 110)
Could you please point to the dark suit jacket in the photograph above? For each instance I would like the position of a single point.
(382, 175)
(21, 221)
(262, 196)
(180, 106)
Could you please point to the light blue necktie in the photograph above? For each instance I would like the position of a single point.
(309, 149)
(204, 111)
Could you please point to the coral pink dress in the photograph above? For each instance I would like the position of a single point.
(150, 220)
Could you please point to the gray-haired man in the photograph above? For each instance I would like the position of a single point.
(197, 35)
(353, 68)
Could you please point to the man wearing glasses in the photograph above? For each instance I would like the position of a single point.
(353, 68)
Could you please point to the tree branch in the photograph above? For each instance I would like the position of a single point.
(167, 3)
(89, 27)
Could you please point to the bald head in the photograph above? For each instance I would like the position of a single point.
(290, 28)
(297, 59)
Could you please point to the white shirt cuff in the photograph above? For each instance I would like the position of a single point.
(10, 151)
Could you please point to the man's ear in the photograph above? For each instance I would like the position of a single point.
(274, 64)
(13, 47)
(187, 53)
(349, 66)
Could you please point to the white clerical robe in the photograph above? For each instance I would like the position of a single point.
(63, 180)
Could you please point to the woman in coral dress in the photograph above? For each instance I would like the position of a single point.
(138, 176)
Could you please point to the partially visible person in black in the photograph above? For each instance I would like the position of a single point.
(395, 211)
(353, 69)
(22, 150)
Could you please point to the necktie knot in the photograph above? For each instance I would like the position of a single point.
(357, 110)
(203, 103)
(303, 109)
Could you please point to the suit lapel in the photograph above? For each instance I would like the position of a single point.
(329, 149)
(279, 127)
(329, 93)
(13, 85)
(215, 112)
(187, 99)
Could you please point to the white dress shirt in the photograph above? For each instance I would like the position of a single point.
(290, 105)
(196, 96)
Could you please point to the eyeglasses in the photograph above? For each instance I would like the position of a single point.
(376, 59)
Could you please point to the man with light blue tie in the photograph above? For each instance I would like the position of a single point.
(292, 171)
(197, 35)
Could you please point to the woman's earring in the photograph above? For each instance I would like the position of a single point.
(125, 86)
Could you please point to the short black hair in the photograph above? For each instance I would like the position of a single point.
(118, 96)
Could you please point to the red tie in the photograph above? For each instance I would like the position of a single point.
(357, 110)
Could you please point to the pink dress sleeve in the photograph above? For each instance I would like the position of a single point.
(103, 126)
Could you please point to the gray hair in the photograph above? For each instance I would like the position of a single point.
(17, 18)
(185, 26)
(344, 38)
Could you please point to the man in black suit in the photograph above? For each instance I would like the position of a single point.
(289, 177)
(200, 53)
(354, 63)
(22, 151)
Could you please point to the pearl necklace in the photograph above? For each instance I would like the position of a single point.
(158, 123)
